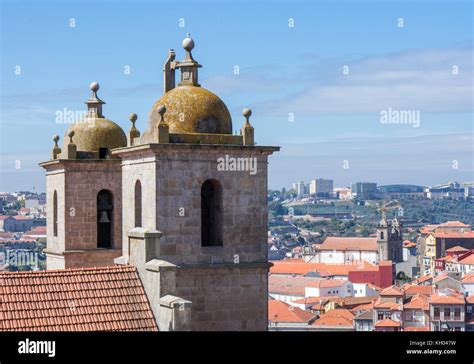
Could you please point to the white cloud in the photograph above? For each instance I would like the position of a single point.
(414, 80)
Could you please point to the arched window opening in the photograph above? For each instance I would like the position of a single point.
(138, 204)
(381, 235)
(104, 219)
(211, 214)
(55, 213)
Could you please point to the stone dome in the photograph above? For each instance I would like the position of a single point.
(93, 133)
(192, 109)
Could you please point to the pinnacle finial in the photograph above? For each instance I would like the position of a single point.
(161, 110)
(188, 43)
(56, 140)
(247, 112)
(133, 117)
(70, 135)
(94, 104)
(94, 86)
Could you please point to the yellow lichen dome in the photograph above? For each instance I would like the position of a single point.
(94, 133)
(193, 109)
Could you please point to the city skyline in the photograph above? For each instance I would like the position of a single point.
(291, 66)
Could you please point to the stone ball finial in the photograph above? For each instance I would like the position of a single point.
(133, 117)
(246, 112)
(94, 86)
(70, 135)
(56, 138)
(188, 43)
(161, 110)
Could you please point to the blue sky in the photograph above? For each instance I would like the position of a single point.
(283, 71)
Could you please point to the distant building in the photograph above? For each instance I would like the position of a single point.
(402, 191)
(29, 203)
(283, 317)
(436, 239)
(17, 223)
(321, 187)
(343, 193)
(448, 190)
(364, 190)
(300, 188)
(447, 311)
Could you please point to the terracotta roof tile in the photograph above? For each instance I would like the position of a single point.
(338, 312)
(299, 267)
(391, 291)
(468, 278)
(458, 224)
(457, 249)
(349, 243)
(424, 278)
(336, 321)
(413, 289)
(468, 258)
(296, 285)
(279, 311)
(387, 323)
(453, 234)
(336, 318)
(388, 305)
(88, 299)
(418, 302)
(417, 328)
(447, 297)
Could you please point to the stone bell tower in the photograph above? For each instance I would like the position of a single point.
(389, 239)
(84, 192)
(203, 191)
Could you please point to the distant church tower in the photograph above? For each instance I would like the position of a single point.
(84, 192)
(389, 239)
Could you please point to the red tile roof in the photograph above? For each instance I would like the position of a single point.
(417, 328)
(349, 243)
(388, 305)
(413, 289)
(21, 217)
(387, 323)
(313, 300)
(418, 302)
(468, 278)
(453, 234)
(279, 311)
(457, 249)
(363, 307)
(457, 224)
(447, 297)
(336, 318)
(87, 299)
(424, 278)
(336, 321)
(300, 267)
(296, 285)
(391, 291)
(338, 312)
(467, 259)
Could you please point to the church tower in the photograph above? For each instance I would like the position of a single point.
(84, 192)
(204, 191)
(389, 239)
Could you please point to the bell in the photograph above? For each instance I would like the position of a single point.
(103, 217)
